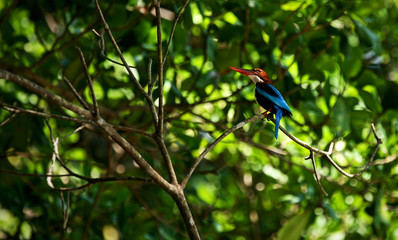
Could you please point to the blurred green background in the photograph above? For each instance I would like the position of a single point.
(335, 62)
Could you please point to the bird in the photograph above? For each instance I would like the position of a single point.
(267, 96)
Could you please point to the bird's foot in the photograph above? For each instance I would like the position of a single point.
(266, 113)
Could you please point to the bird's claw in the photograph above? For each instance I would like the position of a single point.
(267, 115)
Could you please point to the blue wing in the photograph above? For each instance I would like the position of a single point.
(273, 95)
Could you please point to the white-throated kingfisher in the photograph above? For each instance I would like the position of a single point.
(267, 95)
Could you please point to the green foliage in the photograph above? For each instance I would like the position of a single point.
(335, 62)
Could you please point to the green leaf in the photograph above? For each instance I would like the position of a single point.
(352, 64)
(294, 227)
(311, 111)
(371, 100)
(341, 116)
(293, 5)
(368, 36)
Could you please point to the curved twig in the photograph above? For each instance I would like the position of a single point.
(101, 44)
(295, 139)
(213, 144)
(89, 81)
(184, 5)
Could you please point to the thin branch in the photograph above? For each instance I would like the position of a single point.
(127, 67)
(387, 160)
(101, 44)
(295, 139)
(129, 129)
(32, 174)
(89, 81)
(8, 119)
(160, 70)
(106, 127)
(272, 150)
(41, 114)
(158, 136)
(151, 83)
(215, 142)
(317, 177)
(91, 180)
(69, 189)
(65, 208)
(54, 156)
(44, 93)
(76, 94)
(327, 154)
(7, 12)
(74, 131)
(184, 5)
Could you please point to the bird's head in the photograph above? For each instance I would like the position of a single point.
(256, 75)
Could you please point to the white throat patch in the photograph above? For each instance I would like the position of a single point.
(255, 78)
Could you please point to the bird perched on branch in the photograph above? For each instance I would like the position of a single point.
(267, 95)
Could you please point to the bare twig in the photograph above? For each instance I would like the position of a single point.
(378, 142)
(54, 155)
(44, 93)
(89, 81)
(387, 160)
(127, 67)
(106, 127)
(41, 114)
(215, 142)
(6, 13)
(329, 153)
(32, 174)
(69, 189)
(129, 129)
(65, 208)
(76, 94)
(295, 139)
(317, 177)
(160, 65)
(150, 80)
(92, 180)
(101, 43)
(184, 5)
(272, 150)
(158, 136)
(8, 119)
(74, 131)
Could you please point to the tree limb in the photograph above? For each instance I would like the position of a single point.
(127, 67)
(215, 142)
(184, 5)
(89, 81)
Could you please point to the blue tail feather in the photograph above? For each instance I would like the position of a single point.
(278, 116)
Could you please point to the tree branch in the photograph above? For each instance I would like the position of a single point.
(8, 119)
(158, 136)
(184, 5)
(160, 70)
(292, 137)
(215, 142)
(89, 81)
(90, 180)
(127, 67)
(329, 153)
(76, 94)
(44, 93)
(106, 127)
(101, 44)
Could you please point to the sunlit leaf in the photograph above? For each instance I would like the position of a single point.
(294, 227)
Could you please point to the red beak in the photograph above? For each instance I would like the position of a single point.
(246, 72)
